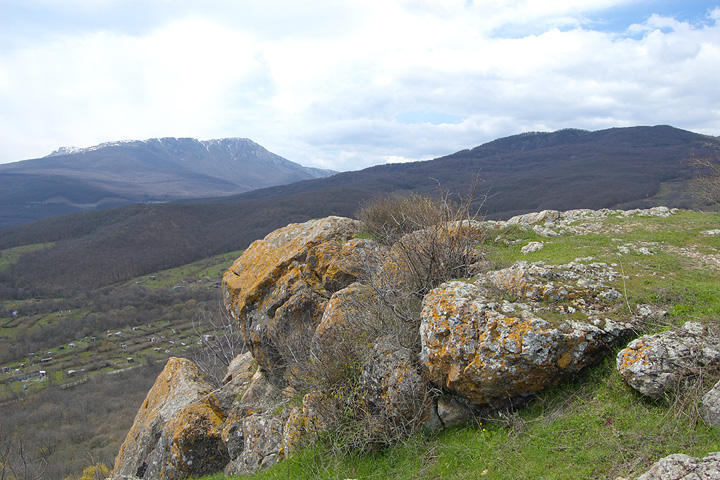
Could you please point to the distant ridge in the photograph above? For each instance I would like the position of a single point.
(634, 167)
(122, 172)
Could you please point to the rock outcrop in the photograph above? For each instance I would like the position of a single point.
(176, 433)
(684, 467)
(656, 364)
(277, 290)
(551, 223)
(480, 345)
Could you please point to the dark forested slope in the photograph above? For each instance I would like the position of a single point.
(623, 167)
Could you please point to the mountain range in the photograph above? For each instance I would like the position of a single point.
(160, 169)
(635, 167)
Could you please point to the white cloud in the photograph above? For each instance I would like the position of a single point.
(338, 84)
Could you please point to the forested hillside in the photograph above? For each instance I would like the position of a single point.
(619, 168)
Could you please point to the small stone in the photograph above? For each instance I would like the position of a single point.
(532, 247)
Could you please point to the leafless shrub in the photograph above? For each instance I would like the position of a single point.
(219, 341)
(18, 461)
(426, 242)
(706, 185)
(387, 219)
(434, 240)
(361, 426)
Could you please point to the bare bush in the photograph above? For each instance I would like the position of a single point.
(706, 184)
(387, 219)
(441, 240)
(370, 330)
(219, 342)
(18, 461)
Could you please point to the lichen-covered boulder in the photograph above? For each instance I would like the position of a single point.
(344, 317)
(684, 467)
(393, 389)
(479, 345)
(655, 364)
(260, 436)
(278, 288)
(710, 409)
(176, 432)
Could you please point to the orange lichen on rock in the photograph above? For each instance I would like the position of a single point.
(196, 446)
(177, 413)
(478, 345)
(280, 285)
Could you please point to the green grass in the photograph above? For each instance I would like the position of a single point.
(10, 256)
(207, 270)
(589, 427)
(592, 426)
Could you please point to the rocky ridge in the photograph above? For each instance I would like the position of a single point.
(485, 342)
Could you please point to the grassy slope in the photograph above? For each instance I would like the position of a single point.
(592, 426)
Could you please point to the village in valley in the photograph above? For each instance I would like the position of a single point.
(141, 334)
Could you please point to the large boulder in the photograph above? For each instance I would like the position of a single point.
(480, 345)
(278, 288)
(656, 364)
(176, 433)
(684, 467)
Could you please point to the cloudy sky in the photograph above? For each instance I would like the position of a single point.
(346, 84)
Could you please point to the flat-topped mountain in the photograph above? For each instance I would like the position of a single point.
(159, 169)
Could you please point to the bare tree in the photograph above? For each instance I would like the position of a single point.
(18, 462)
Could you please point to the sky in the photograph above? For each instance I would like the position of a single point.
(346, 84)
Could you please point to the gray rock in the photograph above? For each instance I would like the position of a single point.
(261, 443)
(453, 411)
(684, 467)
(176, 433)
(532, 247)
(488, 350)
(655, 364)
(393, 387)
(710, 409)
